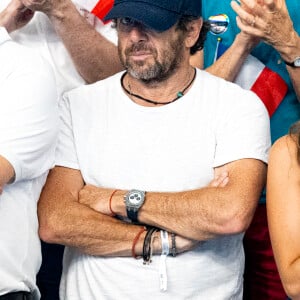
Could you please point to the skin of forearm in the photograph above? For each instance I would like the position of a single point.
(203, 221)
(91, 232)
(4, 21)
(291, 280)
(7, 172)
(97, 234)
(70, 223)
(230, 63)
(289, 52)
(76, 33)
(201, 214)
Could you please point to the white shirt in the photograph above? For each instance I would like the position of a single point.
(169, 148)
(28, 131)
(40, 35)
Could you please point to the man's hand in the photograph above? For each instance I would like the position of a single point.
(268, 20)
(96, 198)
(46, 6)
(15, 16)
(220, 180)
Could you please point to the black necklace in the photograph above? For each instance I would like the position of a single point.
(179, 94)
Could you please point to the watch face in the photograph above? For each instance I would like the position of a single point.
(135, 198)
(297, 62)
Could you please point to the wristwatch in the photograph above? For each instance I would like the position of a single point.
(134, 199)
(295, 63)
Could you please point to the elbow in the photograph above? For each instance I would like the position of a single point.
(47, 234)
(237, 222)
(234, 226)
(49, 230)
(292, 289)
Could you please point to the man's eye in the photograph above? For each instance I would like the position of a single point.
(127, 21)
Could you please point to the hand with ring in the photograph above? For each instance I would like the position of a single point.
(268, 20)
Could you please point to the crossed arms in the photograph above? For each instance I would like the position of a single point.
(76, 215)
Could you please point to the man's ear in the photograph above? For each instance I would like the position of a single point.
(193, 32)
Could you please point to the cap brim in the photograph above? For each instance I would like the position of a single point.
(152, 16)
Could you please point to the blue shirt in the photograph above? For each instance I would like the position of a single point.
(288, 111)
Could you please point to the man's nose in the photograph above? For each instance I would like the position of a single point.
(137, 34)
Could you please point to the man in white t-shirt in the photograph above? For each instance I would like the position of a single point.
(28, 133)
(135, 159)
(50, 34)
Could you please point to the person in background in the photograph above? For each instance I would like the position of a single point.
(56, 35)
(261, 272)
(53, 36)
(28, 132)
(132, 178)
(283, 208)
(269, 31)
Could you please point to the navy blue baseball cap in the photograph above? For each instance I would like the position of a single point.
(159, 15)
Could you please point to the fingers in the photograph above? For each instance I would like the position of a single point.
(220, 180)
(273, 6)
(247, 28)
(245, 13)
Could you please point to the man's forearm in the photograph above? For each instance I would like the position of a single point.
(289, 52)
(96, 234)
(63, 220)
(7, 173)
(94, 56)
(230, 63)
(201, 214)
(207, 212)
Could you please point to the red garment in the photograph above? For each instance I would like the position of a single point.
(261, 278)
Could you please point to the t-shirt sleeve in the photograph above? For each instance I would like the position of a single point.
(244, 131)
(28, 115)
(66, 155)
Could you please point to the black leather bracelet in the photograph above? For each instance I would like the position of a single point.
(173, 246)
(147, 245)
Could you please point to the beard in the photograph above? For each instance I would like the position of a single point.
(155, 69)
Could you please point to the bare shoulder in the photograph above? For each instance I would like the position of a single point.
(285, 146)
(284, 155)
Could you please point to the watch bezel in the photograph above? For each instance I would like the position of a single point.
(133, 208)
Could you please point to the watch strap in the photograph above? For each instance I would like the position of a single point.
(134, 199)
(295, 63)
(292, 64)
(132, 214)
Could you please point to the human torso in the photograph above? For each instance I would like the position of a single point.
(171, 148)
(20, 257)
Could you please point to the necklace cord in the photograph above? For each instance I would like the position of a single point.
(178, 96)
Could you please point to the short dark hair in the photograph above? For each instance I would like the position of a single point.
(183, 25)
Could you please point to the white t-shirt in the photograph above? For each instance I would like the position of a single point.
(28, 132)
(40, 35)
(119, 144)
